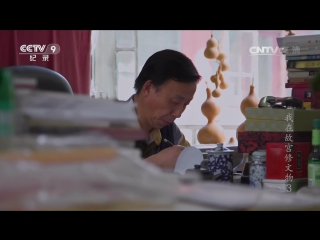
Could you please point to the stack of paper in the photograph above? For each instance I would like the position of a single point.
(45, 111)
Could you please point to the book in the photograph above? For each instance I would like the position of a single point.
(279, 120)
(302, 48)
(250, 141)
(303, 57)
(299, 40)
(301, 74)
(303, 93)
(297, 85)
(299, 80)
(299, 52)
(303, 64)
(302, 69)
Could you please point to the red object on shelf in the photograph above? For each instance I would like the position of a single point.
(250, 141)
(287, 161)
(303, 93)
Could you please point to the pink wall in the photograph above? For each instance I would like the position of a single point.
(191, 40)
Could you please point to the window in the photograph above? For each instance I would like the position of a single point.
(133, 47)
(126, 64)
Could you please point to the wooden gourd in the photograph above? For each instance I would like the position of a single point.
(251, 100)
(223, 83)
(211, 133)
(290, 33)
(216, 80)
(217, 91)
(211, 51)
(231, 141)
(241, 128)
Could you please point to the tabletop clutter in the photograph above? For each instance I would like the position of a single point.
(278, 142)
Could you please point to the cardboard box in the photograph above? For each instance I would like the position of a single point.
(287, 161)
(280, 120)
(251, 141)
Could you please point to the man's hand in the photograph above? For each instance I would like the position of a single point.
(167, 158)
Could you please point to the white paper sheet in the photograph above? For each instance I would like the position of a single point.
(189, 157)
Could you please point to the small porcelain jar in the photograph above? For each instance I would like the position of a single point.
(220, 161)
(257, 168)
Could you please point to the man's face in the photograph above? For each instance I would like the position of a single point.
(167, 102)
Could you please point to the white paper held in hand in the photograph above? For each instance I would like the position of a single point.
(188, 157)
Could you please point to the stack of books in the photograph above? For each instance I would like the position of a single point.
(302, 54)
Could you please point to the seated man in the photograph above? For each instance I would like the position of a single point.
(164, 87)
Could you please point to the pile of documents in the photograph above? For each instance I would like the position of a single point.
(69, 152)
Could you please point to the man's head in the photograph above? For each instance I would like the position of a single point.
(165, 86)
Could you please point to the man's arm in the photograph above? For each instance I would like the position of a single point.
(167, 158)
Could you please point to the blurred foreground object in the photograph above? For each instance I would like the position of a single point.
(7, 110)
(77, 174)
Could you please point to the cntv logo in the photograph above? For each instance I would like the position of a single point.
(266, 51)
